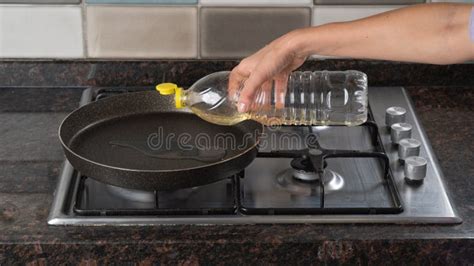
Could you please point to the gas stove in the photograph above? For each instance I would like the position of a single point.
(302, 174)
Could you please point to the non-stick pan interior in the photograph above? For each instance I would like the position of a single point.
(160, 141)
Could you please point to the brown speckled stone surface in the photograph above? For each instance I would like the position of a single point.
(185, 73)
(31, 157)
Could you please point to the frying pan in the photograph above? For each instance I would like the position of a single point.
(140, 141)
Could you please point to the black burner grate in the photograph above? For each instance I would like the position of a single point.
(101, 202)
(317, 155)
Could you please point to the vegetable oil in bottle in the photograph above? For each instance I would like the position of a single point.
(310, 98)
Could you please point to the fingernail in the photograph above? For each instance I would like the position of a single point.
(242, 107)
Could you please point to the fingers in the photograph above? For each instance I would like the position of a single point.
(236, 79)
(249, 90)
(245, 99)
(263, 100)
(281, 83)
(241, 72)
(263, 67)
(261, 74)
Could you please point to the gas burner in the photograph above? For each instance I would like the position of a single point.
(305, 176)
(303, 169)
(148, 196)
(301, 183)
(179, 195)
(131, 194)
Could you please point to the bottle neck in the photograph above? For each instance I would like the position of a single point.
(180, 98)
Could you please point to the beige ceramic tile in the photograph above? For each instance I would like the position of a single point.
(238, 32)
(141, 32)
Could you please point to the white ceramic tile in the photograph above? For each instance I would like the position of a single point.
(40, 32)
(141, 32)
(255, 2)
(52, 2)
(367, 2)
(328, 14)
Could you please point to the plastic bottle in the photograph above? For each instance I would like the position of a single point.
(311, 98)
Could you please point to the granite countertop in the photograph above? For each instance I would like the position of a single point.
(31, 158)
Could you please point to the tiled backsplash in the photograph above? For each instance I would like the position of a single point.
(168, 29)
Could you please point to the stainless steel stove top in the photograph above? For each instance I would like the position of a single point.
(355, 190)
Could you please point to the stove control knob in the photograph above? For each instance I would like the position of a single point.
(407, 148)
(400, 131)
(395, 114)
(415, 169)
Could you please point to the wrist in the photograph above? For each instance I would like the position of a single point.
(304, 42)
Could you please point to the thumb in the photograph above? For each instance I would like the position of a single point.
(245, 99)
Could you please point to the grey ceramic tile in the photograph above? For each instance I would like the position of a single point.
(141, 32)
(166, 2)
(367, 2)
(238, 32)
(41, 32)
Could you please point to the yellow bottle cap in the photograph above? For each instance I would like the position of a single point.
(166, 88)
(170, 88)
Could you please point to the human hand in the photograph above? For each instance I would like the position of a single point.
(268, 67)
